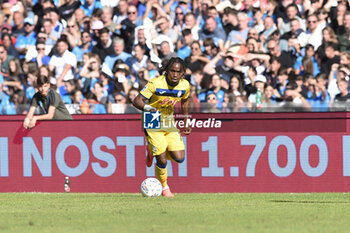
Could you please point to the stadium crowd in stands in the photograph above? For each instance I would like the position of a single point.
(99, 54)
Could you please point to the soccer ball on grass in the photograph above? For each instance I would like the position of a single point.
(151, 187)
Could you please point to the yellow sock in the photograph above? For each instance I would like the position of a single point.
(162, 175)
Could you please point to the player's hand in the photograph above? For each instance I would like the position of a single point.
(149, 108)
(187, 130)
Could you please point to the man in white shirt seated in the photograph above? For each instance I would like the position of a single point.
(64, 63)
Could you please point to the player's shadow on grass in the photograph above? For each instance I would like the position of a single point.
(309, 202)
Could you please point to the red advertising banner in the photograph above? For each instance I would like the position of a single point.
(261, 152)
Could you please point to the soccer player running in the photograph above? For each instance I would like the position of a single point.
(162, 93)
(49, 101)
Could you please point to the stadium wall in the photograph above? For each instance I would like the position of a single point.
(251, 152)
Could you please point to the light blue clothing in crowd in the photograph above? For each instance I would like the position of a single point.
(89, 9)
(125, 57)
(184, 52)
(299, 66)
(232, 36)
(24, 41)
(79, 51)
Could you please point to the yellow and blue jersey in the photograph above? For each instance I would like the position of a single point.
(163, 96)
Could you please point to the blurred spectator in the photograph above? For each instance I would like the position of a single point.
(317, 95)
(293, 100)
(79, 16)
(191, 23)
(272, 71)
(118, 48)
(63, 63)
(185, 50)
(67, 9)
(121, 72)
(89, 6)
(215, 87)
(282, 81)
(269, 28)
(122, 10)
(239, 36)
(285, 58)
(259, 84)
(4, 61)
(33, 52)
(41, 58)
(74, 107)
(7, 42)
(308, 63)
(72, 33)
(210, 29)
(342, 99)
(291, 13)
(344, 93)
(107, 14)
(97, 100)
(210, 49)
(55, 19)
(179, 22)
(104, 46)
(18, 21)
(139, 59)
(236, 86)
(328, 35)
(29, 38)
(85, 47)
(330, 58)
(212, 102)
(52, 35)
(314, 31)
(295, 39)
(197, 60)
(197, 80)
(343, 29)
(68, 90)
(90, 73)
(162, 27)
(166, 52)
(229, 20)
(127, 31)
(143, 38)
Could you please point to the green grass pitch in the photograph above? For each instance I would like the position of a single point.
(233, 212)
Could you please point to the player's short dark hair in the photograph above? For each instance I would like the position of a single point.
(41, 80)
(166, 67)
